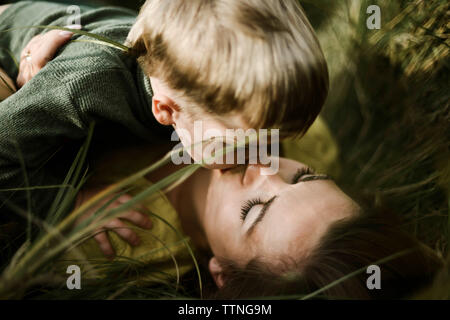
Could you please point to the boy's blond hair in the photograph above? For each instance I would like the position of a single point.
(260, 58)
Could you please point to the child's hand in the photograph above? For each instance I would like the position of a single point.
(136, 216)
(39, 51)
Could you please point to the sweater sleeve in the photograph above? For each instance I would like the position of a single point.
(85, 82)
(35, 122)
(52, 112)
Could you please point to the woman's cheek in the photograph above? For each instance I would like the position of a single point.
(225, 217)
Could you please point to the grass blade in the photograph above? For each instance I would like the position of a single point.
(100, 39)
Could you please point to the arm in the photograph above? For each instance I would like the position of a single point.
(48, 131)
(32, 129)
(44, 48)
(3, 7)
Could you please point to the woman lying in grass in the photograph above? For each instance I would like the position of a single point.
(292, 233)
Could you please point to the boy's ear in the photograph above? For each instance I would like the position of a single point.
(163, 109)
(216, 271)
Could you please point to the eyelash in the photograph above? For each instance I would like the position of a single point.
(300, 173)
(248, 205)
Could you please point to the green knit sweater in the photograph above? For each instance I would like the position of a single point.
(52, 112)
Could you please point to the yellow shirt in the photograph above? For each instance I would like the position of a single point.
(161, 255)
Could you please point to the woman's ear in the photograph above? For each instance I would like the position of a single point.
(163, 109)
(216, 271)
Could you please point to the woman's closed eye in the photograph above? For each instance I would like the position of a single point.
(304, 171)
(258, 214)
(308, 174)
(248, 205)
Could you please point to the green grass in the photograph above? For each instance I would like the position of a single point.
(388, 108)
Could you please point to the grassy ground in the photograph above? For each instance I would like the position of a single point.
(388, 108)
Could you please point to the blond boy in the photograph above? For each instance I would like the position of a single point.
(227, 63)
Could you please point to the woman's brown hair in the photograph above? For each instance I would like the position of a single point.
(348, 248)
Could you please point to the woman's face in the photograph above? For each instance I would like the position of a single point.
(249, 214)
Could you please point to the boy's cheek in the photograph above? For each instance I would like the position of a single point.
(193, 149)
(200, 148)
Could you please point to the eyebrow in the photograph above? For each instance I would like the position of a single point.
(267, 205)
